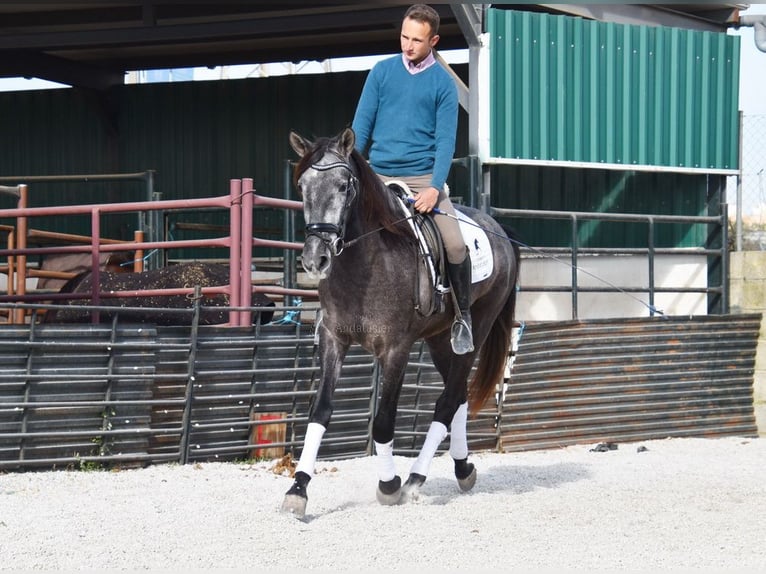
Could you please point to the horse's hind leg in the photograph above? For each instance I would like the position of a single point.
(465, 471)
(450, 415)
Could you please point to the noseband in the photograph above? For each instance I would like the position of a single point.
(335, 245)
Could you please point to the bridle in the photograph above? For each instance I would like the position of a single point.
(337, 244)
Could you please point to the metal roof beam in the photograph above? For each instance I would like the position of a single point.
(713, 20)
(58, 70)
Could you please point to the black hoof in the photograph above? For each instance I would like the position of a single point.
(389, 493)
(465, 472)
(411, 488)
(296, 498)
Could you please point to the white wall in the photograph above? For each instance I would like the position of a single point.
(611, 271)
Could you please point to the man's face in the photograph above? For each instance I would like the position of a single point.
(416, 40)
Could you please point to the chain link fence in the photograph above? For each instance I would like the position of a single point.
(747, 194)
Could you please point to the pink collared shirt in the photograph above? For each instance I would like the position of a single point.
(426, 63)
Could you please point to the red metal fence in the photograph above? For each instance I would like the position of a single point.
(241, 201)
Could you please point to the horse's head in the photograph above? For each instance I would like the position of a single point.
(328, 185)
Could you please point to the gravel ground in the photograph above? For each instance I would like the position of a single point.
(675, 504)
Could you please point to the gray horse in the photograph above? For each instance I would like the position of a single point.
(361, 247)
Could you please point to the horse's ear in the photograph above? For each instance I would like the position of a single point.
(299, 144)
(347, 139)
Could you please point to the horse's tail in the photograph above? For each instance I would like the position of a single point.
(495, 350)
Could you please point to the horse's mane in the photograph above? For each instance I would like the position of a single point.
(377, 205)
(377, 202)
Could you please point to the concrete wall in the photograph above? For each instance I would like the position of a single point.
(747, 281)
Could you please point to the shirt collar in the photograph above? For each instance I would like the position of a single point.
(426, 63)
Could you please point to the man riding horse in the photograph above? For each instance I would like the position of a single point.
(407, 116)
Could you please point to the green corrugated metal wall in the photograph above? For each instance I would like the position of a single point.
(569, 89)
(201, 134)
(602, 191)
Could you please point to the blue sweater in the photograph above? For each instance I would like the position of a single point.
(409, 121)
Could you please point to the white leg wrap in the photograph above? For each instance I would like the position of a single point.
(385, 460)
(436, 433)
(458, 440)
(314, 434)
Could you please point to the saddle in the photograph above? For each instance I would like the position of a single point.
(430, 252)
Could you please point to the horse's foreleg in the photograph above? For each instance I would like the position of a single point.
(389, 484)
(296, 497)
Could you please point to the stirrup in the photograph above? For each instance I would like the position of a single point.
(461, 337)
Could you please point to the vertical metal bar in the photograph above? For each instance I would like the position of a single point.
(27, 384)
(486, 191)
(574, 265)
(11, 281)
(138, 254)
(21, 262)
(289, 262)
(715, 241)
(739, 188)
(149, 225)
(246, 255)
(650, 243)
(185, 440)
(254, 382)
(474, 176)
(235, 234)
(724, 258)
(157, 217)
(95, 262)
(103, 447)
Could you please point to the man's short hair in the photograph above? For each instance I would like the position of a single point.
(424, 13)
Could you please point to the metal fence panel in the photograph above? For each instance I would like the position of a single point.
(632, 379)
(127, 395)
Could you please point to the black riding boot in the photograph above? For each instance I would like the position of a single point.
(460, 278)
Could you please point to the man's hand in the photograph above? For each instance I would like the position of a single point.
(426, 199)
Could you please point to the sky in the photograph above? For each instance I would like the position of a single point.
(752, 82)
(752, 97)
